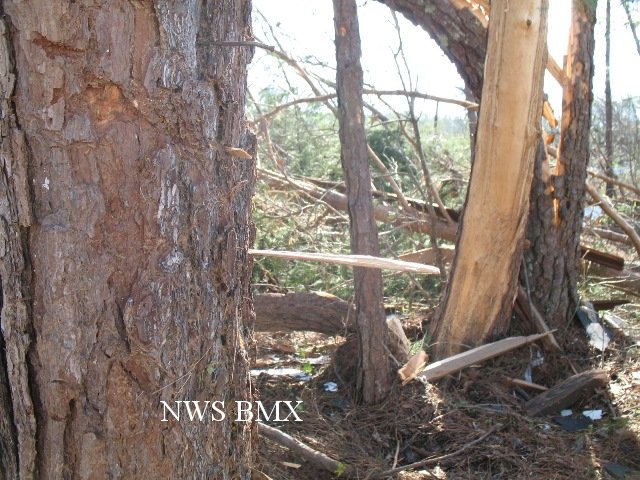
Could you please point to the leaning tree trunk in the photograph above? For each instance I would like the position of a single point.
(555, 221)
(374, 373)
(124, 228)
(553, 265)
(485, 269)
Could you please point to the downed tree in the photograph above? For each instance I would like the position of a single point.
(609, 210)
(413, 222)
(314, 312)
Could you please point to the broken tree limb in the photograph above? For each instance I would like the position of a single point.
(436, 460)
(363, 261)
(567, 392)
(523, 383)
(614, 181)
(615, 216)
(414, 223)
(428, 255)
(313, 312)
(605, 259)
(529, 310)
(305, 451)
(608, 235)
(480, 354)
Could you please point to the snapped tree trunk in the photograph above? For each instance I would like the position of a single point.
(374, 372)
(124, 229)
(479, 296)
(555, 220)
(551, 259)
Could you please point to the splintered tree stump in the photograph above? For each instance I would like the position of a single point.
(310, 312)
(567, 392)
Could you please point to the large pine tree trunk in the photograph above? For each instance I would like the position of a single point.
(124, 228)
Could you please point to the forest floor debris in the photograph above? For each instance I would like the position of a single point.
(479, 410)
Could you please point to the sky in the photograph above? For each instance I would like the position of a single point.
(305, 30)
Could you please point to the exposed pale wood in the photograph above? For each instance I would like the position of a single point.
(457, 362)
(567, 392)
(537, 319)
(524, 383)
(614, 181)
(363, 261)
(556, 70)
(479, 296)
(305, 451)
(428, 255)
(615, 216)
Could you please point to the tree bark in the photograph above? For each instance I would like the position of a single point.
(484, 277)
(556, 213)
(608, 107)
(374, 372)
(124, 229)
(459, 33)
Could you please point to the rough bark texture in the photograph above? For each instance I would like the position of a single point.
(277, 312)
(374, 373)
(555, 220)
(458, 32)
(479, 295)
(124, 228)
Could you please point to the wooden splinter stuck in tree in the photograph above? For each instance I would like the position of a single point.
(480, 293)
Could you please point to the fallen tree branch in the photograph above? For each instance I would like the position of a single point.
(297, 311)
(369, 91)
(414, 223)
(363, 261)
(457, 362)
(436, 460)
(614, 181)
(313, 456)
(615, 216)
(607, 235)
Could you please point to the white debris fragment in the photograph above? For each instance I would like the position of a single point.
(593, 414)
(330, 387)
(45, 184)
(566, 413)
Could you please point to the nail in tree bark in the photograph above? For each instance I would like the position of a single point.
(374, 373)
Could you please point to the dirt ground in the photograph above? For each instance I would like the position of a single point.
(472, 425)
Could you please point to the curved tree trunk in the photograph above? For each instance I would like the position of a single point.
(124, 228)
